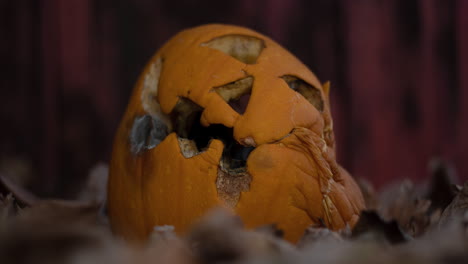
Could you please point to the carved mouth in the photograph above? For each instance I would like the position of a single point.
(232, 178)
(195, 138)
(148, 131)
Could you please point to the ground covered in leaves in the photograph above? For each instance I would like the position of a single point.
(404, 223)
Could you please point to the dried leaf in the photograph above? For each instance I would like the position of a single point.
(220, 237)
(314, 235)
(421, 219)
(441, 191)
(95, 189)
(18, 168)
(271, 230)
(22, 196)
(167, 247)
(51, 232)
(59, 212)
(404, 203)
(457, 209)
(217, 238)
(369, 194)
(163, 234)
(370, 223)
(8, 209)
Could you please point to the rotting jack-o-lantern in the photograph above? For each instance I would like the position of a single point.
(224, 116)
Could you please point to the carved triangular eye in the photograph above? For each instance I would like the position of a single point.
(237, 94)
(309, 92)
(242, 48)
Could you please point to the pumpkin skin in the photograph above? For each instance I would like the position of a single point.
(290, 177)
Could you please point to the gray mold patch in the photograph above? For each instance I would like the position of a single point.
(146, 133)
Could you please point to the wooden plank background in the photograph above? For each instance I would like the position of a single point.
(399, 73)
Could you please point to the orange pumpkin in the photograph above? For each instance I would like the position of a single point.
(224, 116)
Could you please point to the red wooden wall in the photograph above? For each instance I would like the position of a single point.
(399, 73)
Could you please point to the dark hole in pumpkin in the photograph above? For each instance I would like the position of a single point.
(186, 122)
(309, 92)
(240, 105)
(237, 93)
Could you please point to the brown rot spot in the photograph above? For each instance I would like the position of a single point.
(230, 186)
(237, 93)
(246, 49)
(309, 92)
